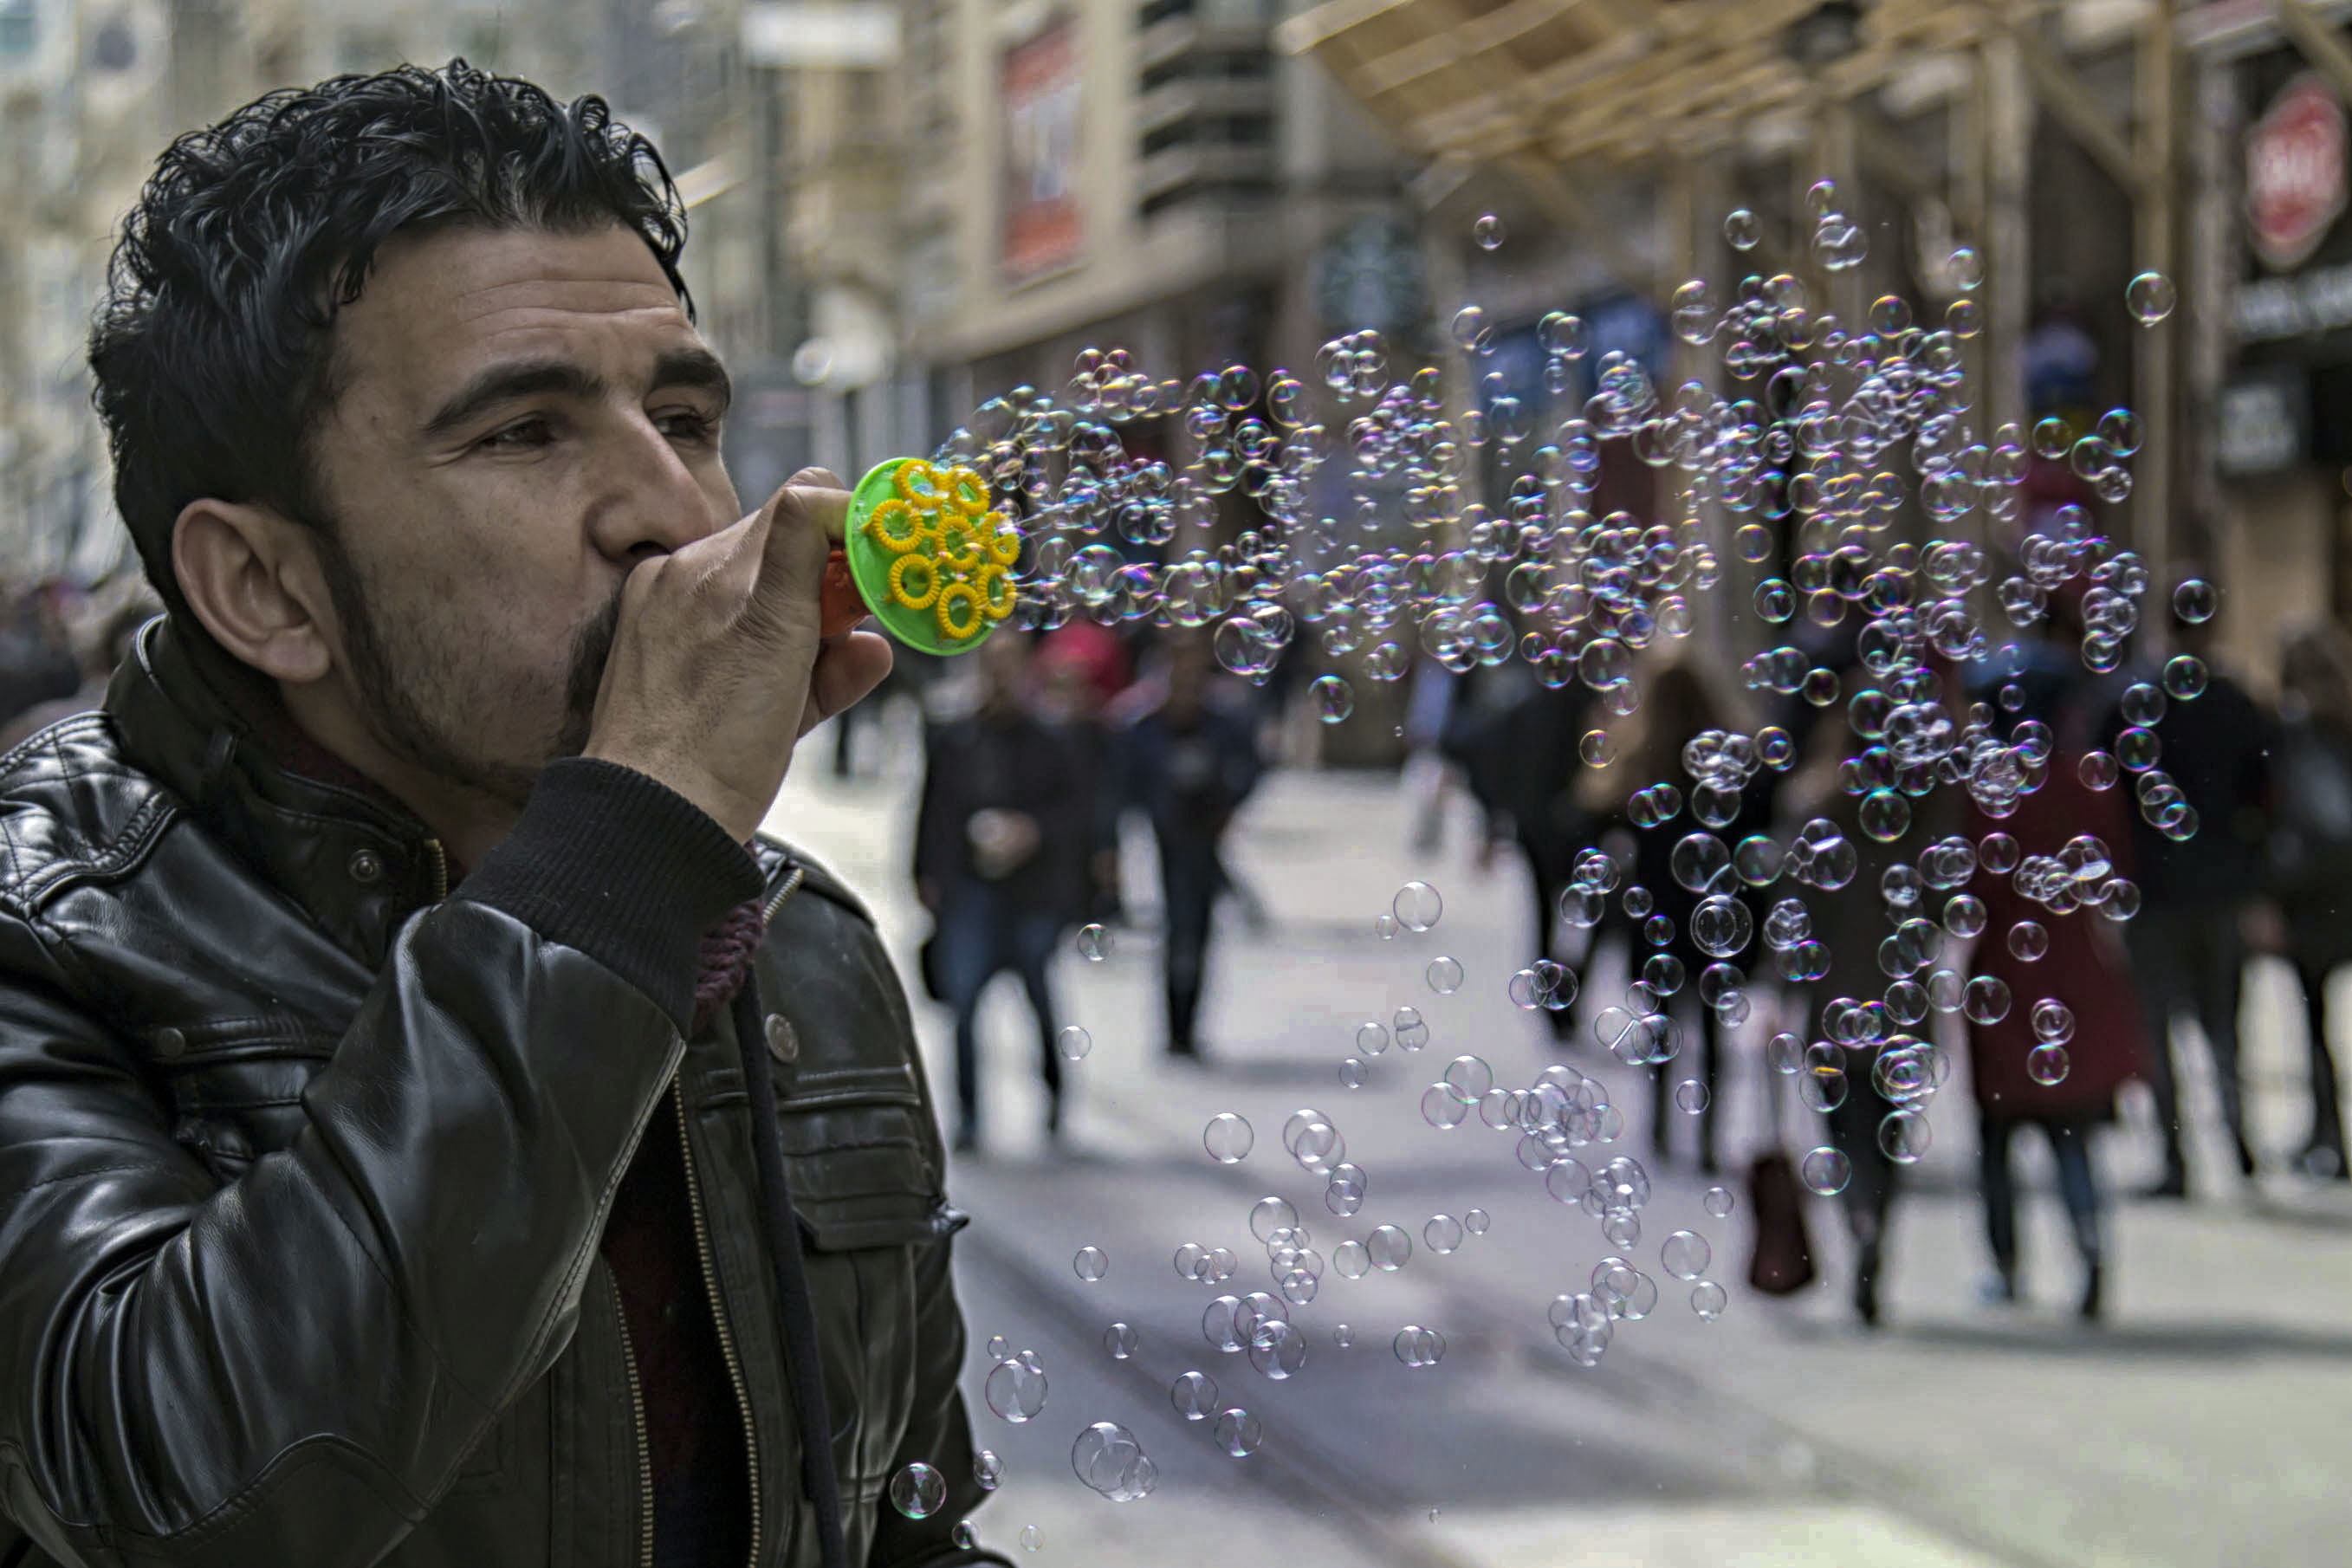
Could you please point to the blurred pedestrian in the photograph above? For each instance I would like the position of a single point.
(37, 661)
(1189, 757)
(1079, 669)
(2187, 950)
(2035, 956)
(997, 865)
(2311, 858)
(1851, 926)
(101, 638)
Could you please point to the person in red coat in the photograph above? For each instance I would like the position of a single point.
(2084, 967)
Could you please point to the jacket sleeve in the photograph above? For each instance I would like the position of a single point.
(940, 1433)
(290, 1369)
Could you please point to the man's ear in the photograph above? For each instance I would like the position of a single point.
(253, 578)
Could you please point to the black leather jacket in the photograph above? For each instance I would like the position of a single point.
(304, 1162)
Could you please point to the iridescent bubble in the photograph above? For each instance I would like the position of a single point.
(1477, 1221)
(1372, 1037)
(1073, 1042)
(2047, 1065)
(1090, 1264)
(1014, 1390)
(1445, 975)
(917, 1490)
(1742, 229)
(1333, 701)
(1826, 1171)
(1094, 943)
(1418, 1347)
(1685, 1255)
(1707, 1300)
(2149, 296)
(1352, 1072)
(1690, 1097)
(2028, 941)
(2184, 676)
(1387, 1249)
(1902, 1135)
(964, 1536)
(1119, 1339)
(1597, 749)
(1487, 231)
(1238, 1432)
(1228, 1138)
(1271, 1214)
(1417, 905)
(1985, 1000)
(987, 1470)
(1110, 1460)
(1031, 1538)
(1443, 1234)
(1719, 1202)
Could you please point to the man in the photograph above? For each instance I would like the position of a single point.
(2187, 944)
(398, 1161)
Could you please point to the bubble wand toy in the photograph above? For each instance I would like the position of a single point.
(924, 555)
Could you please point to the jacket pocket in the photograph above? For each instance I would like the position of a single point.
(862, 1161)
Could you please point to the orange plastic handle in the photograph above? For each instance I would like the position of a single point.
(839, 605)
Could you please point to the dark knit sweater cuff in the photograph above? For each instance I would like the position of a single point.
(608, 860)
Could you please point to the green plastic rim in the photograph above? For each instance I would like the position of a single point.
(870, 564)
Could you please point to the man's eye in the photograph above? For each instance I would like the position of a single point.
(685, 424)
(520, 437)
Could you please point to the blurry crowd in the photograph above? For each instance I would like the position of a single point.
(1034, 757)
(2263, 874)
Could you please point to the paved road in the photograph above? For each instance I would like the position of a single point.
(2202, 1426)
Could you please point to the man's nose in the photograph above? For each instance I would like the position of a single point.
(649, 500)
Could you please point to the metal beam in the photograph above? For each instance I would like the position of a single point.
(2319, 43)
(2067, 97)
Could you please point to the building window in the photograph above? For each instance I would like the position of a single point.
(17, 34)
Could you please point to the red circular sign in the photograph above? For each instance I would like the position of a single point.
(2295, 171)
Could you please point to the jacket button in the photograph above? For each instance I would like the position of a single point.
(366, 866)
(170, 1042)
(783, 1043)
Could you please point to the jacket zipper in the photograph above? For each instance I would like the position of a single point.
(718, 1317)
(440, 870)
(776, 900)
(637, 1415)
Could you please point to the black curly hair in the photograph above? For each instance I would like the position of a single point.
(213, 353)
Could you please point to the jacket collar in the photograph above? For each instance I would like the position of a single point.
(216, 733)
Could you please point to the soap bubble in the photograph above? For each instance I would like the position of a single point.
(1708, 1300)
(1826, 1171)
(1418, 1347)
(1073, 1042)
(1387, 1249)
(1015, 1390)
(1741, 229)
(1417, 905)
(2149, 296)
(1333, 701)
(1110, 1460)
(1487, 231)
(1090, 1264)
(1238, 1432)
(917, 1490)
(2047, 1065)
(1685, 1255)
(1194, 1395)
(1690, 1097)
(1227, 1138)
(1120, 1340)
(1719, 1202)
(1094, 943)
(1443, 1234)
(1445, 975)
(1031, 1538)
(987, 1470)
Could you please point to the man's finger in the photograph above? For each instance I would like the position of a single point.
(845, 670)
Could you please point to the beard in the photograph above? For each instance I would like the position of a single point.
(408, 679)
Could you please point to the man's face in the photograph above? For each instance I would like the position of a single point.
(523, 416)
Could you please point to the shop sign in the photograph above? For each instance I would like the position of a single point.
(2261, 421)
(2294, 172)
(1038, 92)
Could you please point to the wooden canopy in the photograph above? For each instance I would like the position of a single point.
(1618, 79)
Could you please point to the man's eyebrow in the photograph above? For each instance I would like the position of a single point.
(695, 367)
(504, 383)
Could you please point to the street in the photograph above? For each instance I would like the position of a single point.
(2201, 1425)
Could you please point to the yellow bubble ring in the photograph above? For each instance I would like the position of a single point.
(896, 527)
(917, 482)
(958, 611)
(1003, 540)
(927, 574)
(967, 492)
(958, 543)
(996, 591)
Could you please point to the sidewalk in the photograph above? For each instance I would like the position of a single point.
(2199, 1427)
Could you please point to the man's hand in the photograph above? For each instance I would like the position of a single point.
(718, 666)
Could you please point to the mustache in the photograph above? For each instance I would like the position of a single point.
(592, 649)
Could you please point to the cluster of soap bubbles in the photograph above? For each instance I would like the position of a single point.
(1358, 509)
